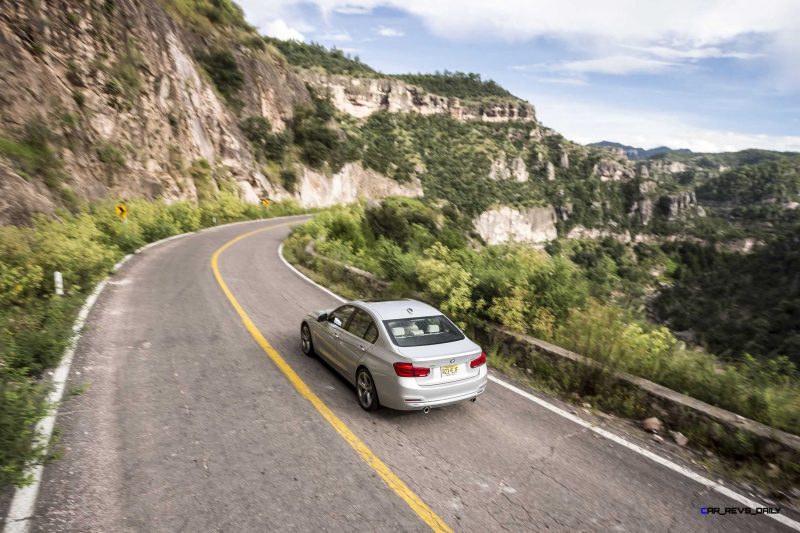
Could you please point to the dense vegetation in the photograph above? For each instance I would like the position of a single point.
(35, 325)
(573, 295)
(221, 66)
(210, 16)
(738, 303)
(771, 180)
(318, 140)
(458, 84)
(314, 56)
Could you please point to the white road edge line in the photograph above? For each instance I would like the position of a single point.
(663, 461)
(23, 503)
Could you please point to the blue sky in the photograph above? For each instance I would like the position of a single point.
(710, 75)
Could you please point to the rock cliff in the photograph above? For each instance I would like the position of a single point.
(507, 224)
(111, 91)
(109, 99)
(361, 97)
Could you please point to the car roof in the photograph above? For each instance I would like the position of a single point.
(393, 309)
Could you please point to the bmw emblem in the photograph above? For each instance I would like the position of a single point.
(410, 311)
(452, 361)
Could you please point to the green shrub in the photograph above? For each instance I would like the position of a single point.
(288, 179)
(459, 84)
(111, 156)
(221, 66)
(209, 15)
(318, 140)
(21, 406)
(266, 145)
(313, 55)
(201, 173)
(35, 325)
(34, 155)
(79, 98)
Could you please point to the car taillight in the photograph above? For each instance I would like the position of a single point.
(475, 363)
(408, 370)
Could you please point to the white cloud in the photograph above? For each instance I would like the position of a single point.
(699, 27)
(281, 30)
(619, 65)
(338, 36)
(564, 81)
(585, 123)
(389, 32)
(351, 10)
(701, 52)
(704, 22)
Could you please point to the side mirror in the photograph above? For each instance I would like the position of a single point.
(323, 317)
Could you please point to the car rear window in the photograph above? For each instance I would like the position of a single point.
(422, 331)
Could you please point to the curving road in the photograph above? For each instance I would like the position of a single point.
(186, 424)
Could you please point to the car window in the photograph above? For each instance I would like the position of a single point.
(360, 325)
(341, 316)
(422, 331)
(372, 333)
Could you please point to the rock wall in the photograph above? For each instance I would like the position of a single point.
(349, 185)
(125, 105)
(502, 170)
(612, 170)
(361, 97)
(507, 224)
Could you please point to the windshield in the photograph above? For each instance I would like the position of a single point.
(422, 331)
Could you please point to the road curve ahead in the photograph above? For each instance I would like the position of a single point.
(186, 424)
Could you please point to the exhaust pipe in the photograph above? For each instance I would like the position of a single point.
(426, 410)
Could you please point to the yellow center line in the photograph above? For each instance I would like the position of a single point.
(390, 478)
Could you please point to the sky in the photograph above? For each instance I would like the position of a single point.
(708, 75)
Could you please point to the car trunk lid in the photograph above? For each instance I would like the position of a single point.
(448, 362)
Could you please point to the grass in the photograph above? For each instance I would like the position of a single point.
(35, 325)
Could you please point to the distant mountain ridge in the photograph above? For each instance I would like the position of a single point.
(633, 152)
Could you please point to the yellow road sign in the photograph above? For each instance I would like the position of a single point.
(122, 210)
(265, 202)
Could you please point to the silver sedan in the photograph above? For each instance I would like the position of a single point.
(401, 354)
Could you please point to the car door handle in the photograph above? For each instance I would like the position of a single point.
(362, 348)
(336, 335)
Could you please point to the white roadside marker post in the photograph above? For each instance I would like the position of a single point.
(59, 282)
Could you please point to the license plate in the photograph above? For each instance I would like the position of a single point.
(449, 370)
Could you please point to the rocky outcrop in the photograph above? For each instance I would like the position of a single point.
(348, 185)
(508, 224)
(666, 166)
(611, 170)
(501, 170)
(551, 171)
(361, 97)
(580, 232)
(673, 205)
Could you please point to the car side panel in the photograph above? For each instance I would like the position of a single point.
(352, 350)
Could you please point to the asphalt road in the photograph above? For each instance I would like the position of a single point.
(186, 425)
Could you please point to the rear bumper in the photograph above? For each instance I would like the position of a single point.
(405, 394)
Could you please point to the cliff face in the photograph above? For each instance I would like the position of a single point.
(115, 92)
(361, 97)
(507, 224)
(107, 99)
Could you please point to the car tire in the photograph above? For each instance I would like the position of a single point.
(306, 341)
(366, 391)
